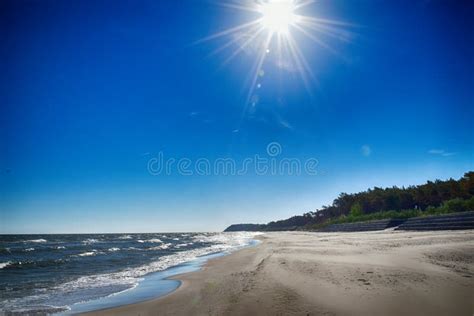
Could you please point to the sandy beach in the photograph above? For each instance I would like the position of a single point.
(303, 273)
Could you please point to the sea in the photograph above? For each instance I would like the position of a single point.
(48, 274)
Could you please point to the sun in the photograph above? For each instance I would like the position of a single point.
(278, 15)
(271, 34)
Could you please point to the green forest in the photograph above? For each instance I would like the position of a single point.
(431, 198)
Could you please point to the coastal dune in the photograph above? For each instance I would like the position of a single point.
(303, 273)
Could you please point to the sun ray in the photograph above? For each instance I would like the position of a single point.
(303, 4)
(241, 7)
(326, 30)
(302, 64)
(259, 64)
(328, 21)
(229, 31)
(236, 39)
(316, 39)
(274, 22)
(243, 46)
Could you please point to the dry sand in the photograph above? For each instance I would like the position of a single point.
(302, 273)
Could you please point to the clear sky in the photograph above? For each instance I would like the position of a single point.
(90, 91)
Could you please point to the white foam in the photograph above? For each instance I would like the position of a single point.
(36, 240)
(114, 249)
(154, 240)
(161, 247)
(90, 241)
(4, 264)
(225, 242)
(89, 253)
(30, 249)
(182, 245)
(130, 277)
(125, 237)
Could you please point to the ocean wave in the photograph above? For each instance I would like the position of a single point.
(27, 264)
(59, 247)
(114, 249)
(88, 253)
(36, 310)
(131, 276)
(183, 245)
(227, 240)
(90, 241)
(154, 240)
(140, 241)
(5, 251)
(41, 240)
(125, 237)
(176, 239)
(4, 264)
(161, 247)
(29, 249)
(89, 287)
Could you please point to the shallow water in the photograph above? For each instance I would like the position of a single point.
(52, 273)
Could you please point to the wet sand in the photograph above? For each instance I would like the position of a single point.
(303, 273)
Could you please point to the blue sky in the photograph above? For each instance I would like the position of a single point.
(90, 91)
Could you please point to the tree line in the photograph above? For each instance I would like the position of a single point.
(422, 198)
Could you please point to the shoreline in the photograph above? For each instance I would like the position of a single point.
(308, 273)
(184, 280)
(153, 286)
